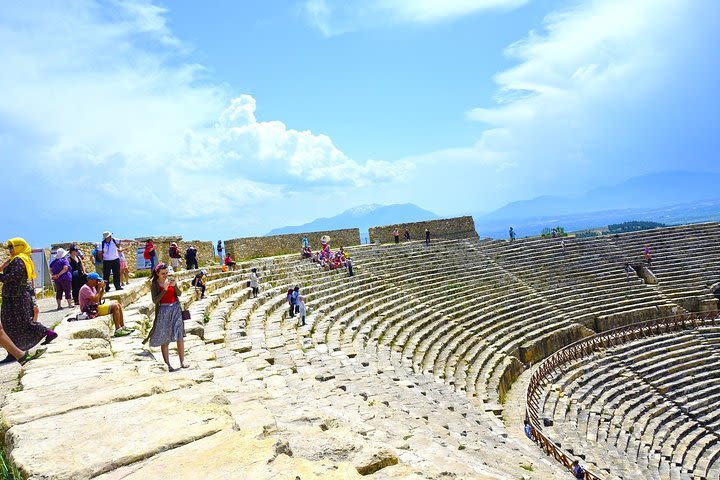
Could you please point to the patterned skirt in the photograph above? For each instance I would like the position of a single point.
(169, 325)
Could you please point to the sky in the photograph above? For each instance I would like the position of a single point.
(227, 119)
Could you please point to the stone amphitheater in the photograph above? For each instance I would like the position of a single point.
(420, 366)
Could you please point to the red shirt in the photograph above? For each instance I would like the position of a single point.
(169, 296)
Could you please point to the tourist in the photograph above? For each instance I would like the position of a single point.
(302, 310)
(528, 431)
(78, 272)
(20, 330)
(91, 298)
(191, 258)
(305, 242)
(168, 325)
(124, 270)
(291, 300)
(61, 275)
(174, 254)
(512, 234)
(427, 237)
(407, 235)
(254, 282)
(577, 471)
(111, 261)
(295, 299)
(97, 258)
(229, 262)
(396, 235)
(628, 271)
(199, 282)
(150, 254)
(648, 256)
(562, 245)
(220, 251)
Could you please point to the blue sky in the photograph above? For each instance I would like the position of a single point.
(233, 118)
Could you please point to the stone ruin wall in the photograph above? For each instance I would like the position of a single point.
(446, 228)
(254, 247)
(206, 254)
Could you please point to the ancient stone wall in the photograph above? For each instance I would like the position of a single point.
(254, 247)
(130, 246)
(447, 228)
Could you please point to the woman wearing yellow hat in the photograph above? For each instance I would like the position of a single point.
(19, 331)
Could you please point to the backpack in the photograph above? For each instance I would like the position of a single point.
(174, 252)
(97, 255)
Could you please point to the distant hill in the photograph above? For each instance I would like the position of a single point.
(363, 217)
(647, 192)
(692, 212)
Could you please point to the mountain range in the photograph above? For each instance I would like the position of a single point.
(668, 197)
(363, 217)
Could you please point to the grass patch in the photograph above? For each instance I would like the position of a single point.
(143, 273)
(8, 471)
(206, 318)
(529, 468)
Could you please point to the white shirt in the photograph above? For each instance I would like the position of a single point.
(110, 250)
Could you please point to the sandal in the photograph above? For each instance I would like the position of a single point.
(122, 332)
(27, 357)
(184, 365)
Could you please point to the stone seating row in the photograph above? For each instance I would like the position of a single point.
(663, 421)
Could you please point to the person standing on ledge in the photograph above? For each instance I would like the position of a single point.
(512, 234)
(191, 258)
(396, 234)
(254, 282)
(407, 235)
(427, 237)
(220, 251)
(168, 325)
(111, 261)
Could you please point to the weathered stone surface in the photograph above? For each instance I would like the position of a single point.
(84, 443)
(230, 454)
(81, 385)
(98, 327)
(459, 227)
(253, 247)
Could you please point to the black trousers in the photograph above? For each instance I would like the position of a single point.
(191, 264)
(111, 266)
(292, 310)
(78, 280)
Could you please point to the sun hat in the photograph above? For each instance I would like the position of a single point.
(107, 234)
(60, 253)
(94, 276)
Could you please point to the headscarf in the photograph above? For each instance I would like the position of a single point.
(22, 250)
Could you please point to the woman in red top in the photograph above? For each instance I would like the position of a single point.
(168, 325)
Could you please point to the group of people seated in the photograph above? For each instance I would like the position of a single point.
(326, 258)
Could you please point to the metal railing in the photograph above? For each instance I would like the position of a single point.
(584, 348)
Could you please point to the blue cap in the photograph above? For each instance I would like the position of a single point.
(94, 276)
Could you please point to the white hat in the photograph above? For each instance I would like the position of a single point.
(107, 234)
(60, 253)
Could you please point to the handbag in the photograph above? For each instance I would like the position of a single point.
(186, 314)
(91, 310)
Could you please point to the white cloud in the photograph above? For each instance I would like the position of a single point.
(107, 92)
(339, 16)
(270, 151)
(596, 68)
(607, 90)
